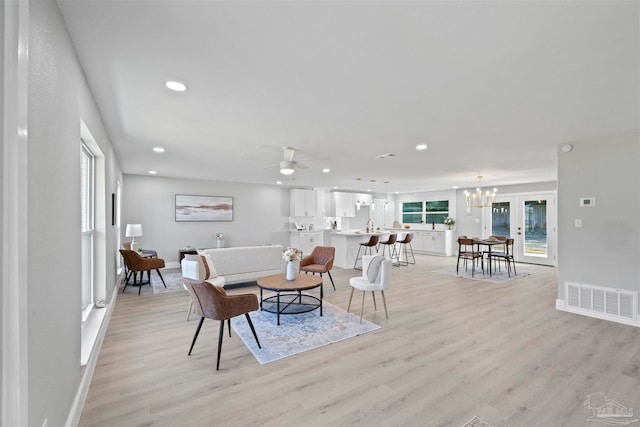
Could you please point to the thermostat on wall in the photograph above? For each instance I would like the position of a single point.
(587, 201)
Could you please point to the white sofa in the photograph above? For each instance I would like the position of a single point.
(240, 264)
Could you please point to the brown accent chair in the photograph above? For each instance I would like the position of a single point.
(319, 261)
(212, 302)
(138, 264)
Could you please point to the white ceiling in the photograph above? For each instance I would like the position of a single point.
(492, 87)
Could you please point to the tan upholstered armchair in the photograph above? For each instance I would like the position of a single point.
(138, 264)
(319, 261)
(212, 302)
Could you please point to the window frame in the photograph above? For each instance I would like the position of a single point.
(88, 209)
(426, 214)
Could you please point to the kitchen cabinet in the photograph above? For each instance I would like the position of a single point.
(306, 240)
(303, 202)
(437, 242)
(344, 204)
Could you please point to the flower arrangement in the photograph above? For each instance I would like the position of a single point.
(448, 221)
(291, 254)
(219, 236)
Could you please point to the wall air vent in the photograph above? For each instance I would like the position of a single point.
(605, 303)
(384, 156)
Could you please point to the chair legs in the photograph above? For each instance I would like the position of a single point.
(195, 337)
(329, 273)
(333, 284)
(252, 329)
(358, 257)
(406, 255)
(221, 335)
(135, 280)
(189, 312)
(161, 278)
(384, 302)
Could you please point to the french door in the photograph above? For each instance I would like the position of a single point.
(530, 219)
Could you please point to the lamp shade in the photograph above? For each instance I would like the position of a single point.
(133, 230)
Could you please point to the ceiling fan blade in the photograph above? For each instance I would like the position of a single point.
(288, 153)
(311, 160)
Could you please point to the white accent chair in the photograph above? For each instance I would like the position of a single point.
(372, 281)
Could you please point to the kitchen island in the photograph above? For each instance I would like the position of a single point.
(347, 244)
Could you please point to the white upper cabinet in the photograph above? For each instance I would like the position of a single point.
(303, 202)
(344, 204)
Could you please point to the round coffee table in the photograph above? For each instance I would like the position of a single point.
(289, 298)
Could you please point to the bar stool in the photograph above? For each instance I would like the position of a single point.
(373, 242)
(391, 242)
(406, 241)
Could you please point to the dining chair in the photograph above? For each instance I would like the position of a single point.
(506, 256)
(467, 252)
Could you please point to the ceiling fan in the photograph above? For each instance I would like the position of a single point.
(288, 165)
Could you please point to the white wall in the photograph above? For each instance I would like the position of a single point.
(58, 98)
(604, 252)
(261, 214)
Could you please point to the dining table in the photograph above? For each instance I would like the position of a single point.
(489, 243)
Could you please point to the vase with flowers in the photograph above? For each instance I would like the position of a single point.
(291, 255)
(448, 221)
(220, 240)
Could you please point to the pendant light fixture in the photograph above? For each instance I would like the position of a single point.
(480, 199)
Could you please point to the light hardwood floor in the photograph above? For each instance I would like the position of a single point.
(451, 349)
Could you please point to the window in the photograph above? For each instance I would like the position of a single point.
(436, 211)
(425, 212)
(87, 188)
(412, 213)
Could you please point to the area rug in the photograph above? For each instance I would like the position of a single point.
(476, 422)
(298, 333)
(172, 278)
(496, 276)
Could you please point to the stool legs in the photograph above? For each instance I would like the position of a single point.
(358, 257)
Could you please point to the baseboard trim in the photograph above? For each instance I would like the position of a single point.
(561, 306)
(85, 381)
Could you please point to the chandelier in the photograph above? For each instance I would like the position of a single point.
(478, 199)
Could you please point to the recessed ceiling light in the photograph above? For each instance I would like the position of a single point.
(421, 147)
(326, 170)
(567, 147)
(455, 187)
(176, 86)
(158, 149)
(278, 182)
(152, 172)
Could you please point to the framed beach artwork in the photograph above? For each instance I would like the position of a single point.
(203, 208)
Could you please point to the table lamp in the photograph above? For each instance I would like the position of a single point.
(133, 231)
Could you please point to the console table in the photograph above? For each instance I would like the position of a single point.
(183, 252)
